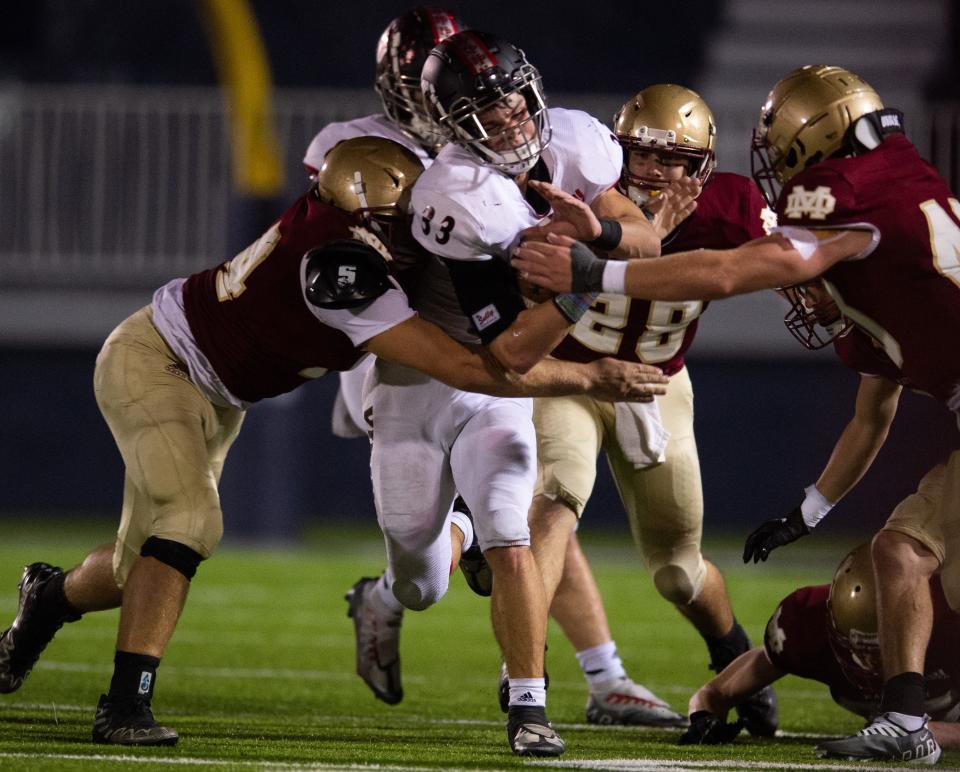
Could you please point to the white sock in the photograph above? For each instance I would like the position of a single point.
(528, 692)
(601, 664)
(465, 525)
(383, 593)
(908, 722)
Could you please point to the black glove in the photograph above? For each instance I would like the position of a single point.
(706, 729)
(773, 534)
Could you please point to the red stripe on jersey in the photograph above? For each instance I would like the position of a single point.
(473, 51)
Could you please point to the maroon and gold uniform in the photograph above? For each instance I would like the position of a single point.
(797, 640)
(730, 211)
(906, 292)
(249, 316)
(173, 380)
(662, 496)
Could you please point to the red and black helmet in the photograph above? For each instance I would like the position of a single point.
(473, 71)
(401, 52)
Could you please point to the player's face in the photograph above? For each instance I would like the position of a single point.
(655, 168)
(508, 124)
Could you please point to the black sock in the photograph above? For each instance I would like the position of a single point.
(904, 693)
(54, 606)
(133, 674)
(725, 650)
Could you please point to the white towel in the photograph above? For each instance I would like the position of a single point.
(640, 433)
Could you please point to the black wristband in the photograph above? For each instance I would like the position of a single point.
(611, 233)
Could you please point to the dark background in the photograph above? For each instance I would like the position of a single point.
(313, 43)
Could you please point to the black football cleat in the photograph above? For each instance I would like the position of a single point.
(530, 733)
(760, 713)
(22, 643)
(473, 565)
(129, 721)
(884, 740)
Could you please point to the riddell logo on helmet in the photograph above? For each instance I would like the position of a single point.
(475, 53)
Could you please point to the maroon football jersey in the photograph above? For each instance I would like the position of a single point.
(906, 294)
(860, 352)
(729, 212)
(797, 641)
(249, 317)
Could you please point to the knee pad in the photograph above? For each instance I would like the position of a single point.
(680, 583)
(418, 595)
(178, 556)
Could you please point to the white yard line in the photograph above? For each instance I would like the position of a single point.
(100, 758)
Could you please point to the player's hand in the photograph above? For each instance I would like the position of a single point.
(706, 729)
(571, 216)
(618, 381)
(546, 263)
(674, 205)
(772, 534)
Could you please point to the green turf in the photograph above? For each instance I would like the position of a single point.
(260, 672)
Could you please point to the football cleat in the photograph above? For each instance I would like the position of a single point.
(22, 643)
(129, 721)
(503, 685)
(530, 734)
(884, 740)
(627, 703)
(377, 634)
(760, 713)
(473, 565)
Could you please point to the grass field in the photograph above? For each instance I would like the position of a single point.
(260, 672)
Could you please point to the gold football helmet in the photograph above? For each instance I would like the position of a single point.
(667, 118)
(852, 607)
(805, 120)
(373, 177)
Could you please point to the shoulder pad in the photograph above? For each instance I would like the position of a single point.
(345, 274)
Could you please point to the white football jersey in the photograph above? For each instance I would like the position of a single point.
(466, 211)
(376, 125)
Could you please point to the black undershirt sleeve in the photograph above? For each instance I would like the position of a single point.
(488, 294)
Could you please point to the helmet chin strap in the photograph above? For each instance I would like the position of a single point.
(639, 196)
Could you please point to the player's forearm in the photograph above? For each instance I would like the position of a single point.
(534, 333)
(861, 439)
(710, 274)
(639, 240)
(852, 456)
(946, 733)
(746, 675)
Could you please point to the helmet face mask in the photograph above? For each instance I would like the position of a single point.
(672, 122)
(813, 319)
(475, 73)
(852, 621)
(401, 51)
(806, 119)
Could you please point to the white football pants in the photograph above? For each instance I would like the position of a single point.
(430, 441)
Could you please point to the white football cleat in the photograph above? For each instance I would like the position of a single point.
(627, 703)
(377, 632)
